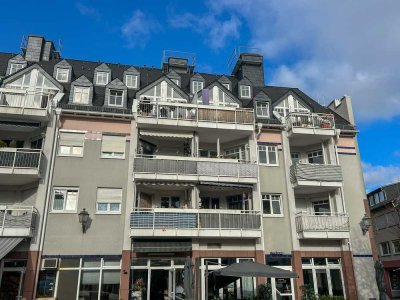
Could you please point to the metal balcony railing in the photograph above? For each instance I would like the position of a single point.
(193, 167)
(17, 217)
(194, 112)
(310, 120)
(25, 99)
(315, 172)
(194, 219)
(317, 222)
(20, 158)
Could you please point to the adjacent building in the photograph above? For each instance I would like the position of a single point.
(385, 215)
(112, 175)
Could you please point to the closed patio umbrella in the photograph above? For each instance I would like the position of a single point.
(188, 278)
(254, 269)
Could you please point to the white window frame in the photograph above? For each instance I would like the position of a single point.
(261, 103)
(176, 81)
(70, 154)
(133, 79)
(245, 91)
(268, 197)
(62, 74)
(65, 191)
(289, 105)
(316, 153)
(100, 74)
(239, 150)
(197, 85)
(227, 86)
(122, 98)
(83, 91)
(162, 90)
(115, 155)
(108, 211)
(268, 148)
(15, 67)
(389, 248)
(394, 247)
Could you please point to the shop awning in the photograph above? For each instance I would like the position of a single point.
(7, 244)
(162, 246)
(176, 135)
(160, 183)
(229, 185)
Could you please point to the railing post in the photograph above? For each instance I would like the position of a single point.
(154, 220)
(15, 158)
(4, 221)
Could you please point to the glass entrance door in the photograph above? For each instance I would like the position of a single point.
(159, 283)
(11, 285)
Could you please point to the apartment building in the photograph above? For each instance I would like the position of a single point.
(384, 211)
(139, 168)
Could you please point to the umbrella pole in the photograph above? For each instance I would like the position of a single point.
(206, 282)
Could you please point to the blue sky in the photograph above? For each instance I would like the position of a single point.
(327, 49)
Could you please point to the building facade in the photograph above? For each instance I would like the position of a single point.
(384, 212)
(112, 175)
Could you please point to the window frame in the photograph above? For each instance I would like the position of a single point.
(112, 155)
(388, 248)
(101, 73)
(243, 88)
(71, 147)
(394, 246)
(314, 154)
(122, 98)
(227, 86)
(134, 79)
(86, 88)
(267, 163)
(108, 203)
(257, 108)
(16, 66)
(61, 73)
(65, 190)
(197, 83)
(270, 195)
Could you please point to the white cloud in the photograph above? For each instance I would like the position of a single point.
(138, 29)
(215, 29)
(85, 10)
(329, 48)
(376, 175)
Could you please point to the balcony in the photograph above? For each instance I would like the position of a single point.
(309, 128)
(194, 169)
(312, 226)
(309, 178)
(22, 104)
(159, 222)
(149, 114)
(20, 166)
(17, 221)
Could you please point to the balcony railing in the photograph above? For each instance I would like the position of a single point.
(310, 120)
(194, 219)
(315, 172)
(194, 167)
(25, 99)
(312, 222)
(20, 158)
(17, 220)
(194, 112)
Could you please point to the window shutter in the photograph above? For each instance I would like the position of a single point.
(109, 195)
(113, 144)
(72, 139)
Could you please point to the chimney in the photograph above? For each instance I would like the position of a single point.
(250, 65)
(180, 62)
(37, 49)
(343, 108)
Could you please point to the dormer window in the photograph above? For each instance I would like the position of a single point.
(245, 91)
(197, 86)
(81, 95)
(131, 81)
(102, 78)
(227, 86)
(62, 75)
(262, 109)
(116, 98)
(15, 67)
(176, 81)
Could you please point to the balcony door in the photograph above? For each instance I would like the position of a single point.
(11, 280)
(321, 207)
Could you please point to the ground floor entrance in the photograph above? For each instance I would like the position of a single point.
(11, 279)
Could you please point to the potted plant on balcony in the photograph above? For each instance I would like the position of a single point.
(138, 288)
(326, 124)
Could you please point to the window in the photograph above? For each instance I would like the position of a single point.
(295, 156)
(219, 98)
(115, 98)
(209, 203)
(268, 155)
(315, 157)
(113, 146)
(262, 109)
(245, 91)
(109, 200)
(176, 81)
(289, 105)
(396, 246)
(81, 95)
(163, 92)
(62, 75)
(321, 207)
(235, 202)
(65, 199)
(15, 67)
(197, 86)
(394, 277)
(208, 153)
(385, 248)
(227, 86)
(131, 81)
(236, 153)
(271, 204)
(71, 144)
(102, 78)
(173, 202)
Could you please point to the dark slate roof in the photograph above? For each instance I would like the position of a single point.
(150, 74)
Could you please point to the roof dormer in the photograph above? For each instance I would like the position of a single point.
(132, 78)
(116, 94)
(102, 75)
(245, 89)
(197, 83)
(175, 77)
(62, 71)
(15, 64)
(81, 91)
(225, 81)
